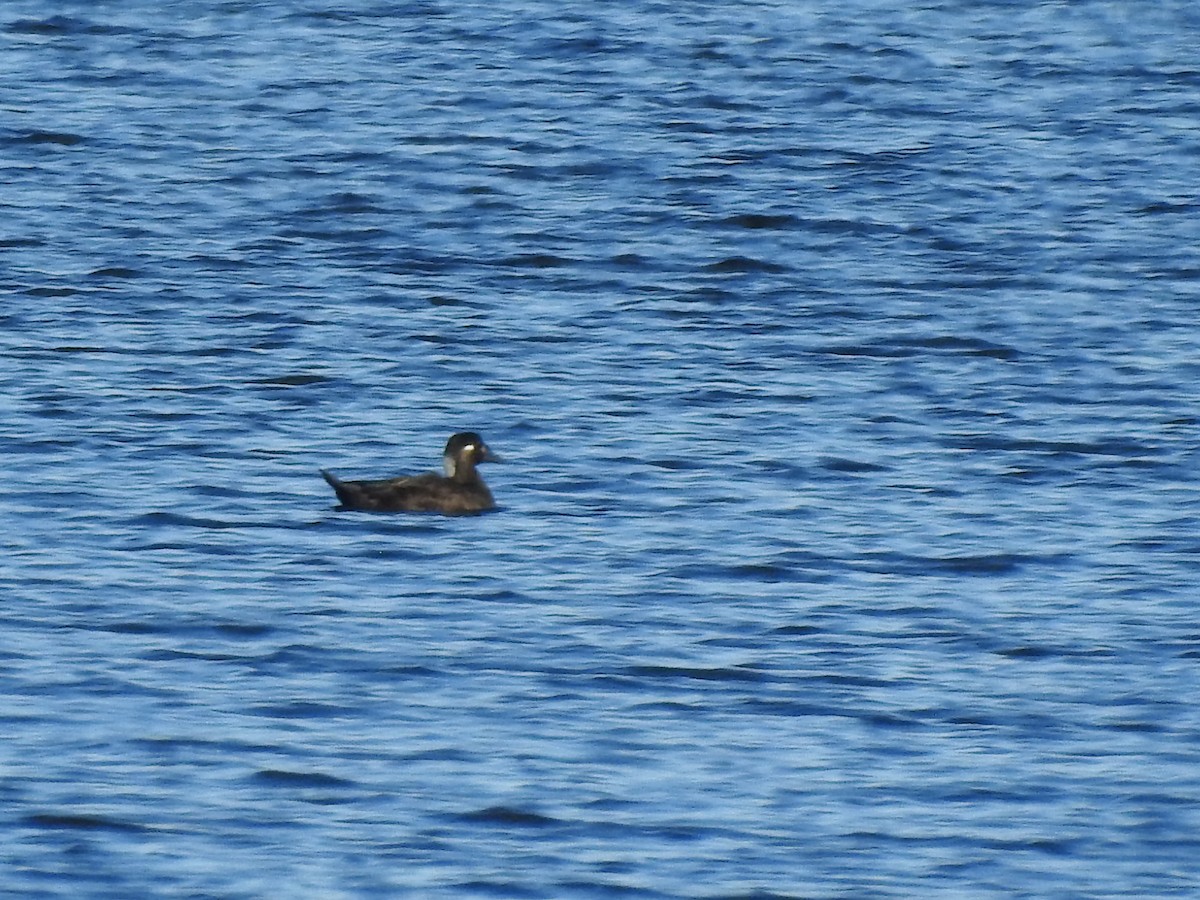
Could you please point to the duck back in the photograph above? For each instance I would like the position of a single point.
(417, 493)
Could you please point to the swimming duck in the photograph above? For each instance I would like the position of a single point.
(458, 492)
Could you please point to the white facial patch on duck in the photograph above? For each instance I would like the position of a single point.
(450, 462)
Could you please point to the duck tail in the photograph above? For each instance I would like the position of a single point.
(338, 487)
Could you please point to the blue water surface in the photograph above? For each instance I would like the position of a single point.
(844, 360)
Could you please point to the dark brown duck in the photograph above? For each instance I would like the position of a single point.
(459, 492)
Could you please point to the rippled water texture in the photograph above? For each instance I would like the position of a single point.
(844, 360)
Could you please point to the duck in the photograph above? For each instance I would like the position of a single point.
(460, 491)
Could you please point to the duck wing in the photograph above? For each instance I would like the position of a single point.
(411, 493)
(414, 493)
